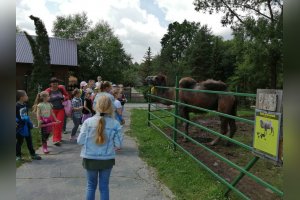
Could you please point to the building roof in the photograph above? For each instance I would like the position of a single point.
(62, 51)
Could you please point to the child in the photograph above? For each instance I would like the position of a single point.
(118, 107)
(122, 98)
(87, 110)
(43, 110)
(23, 126)
(77, 112)
(105, 90)
(101, 136)
(94, 94)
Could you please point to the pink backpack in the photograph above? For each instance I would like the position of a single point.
(68, 107)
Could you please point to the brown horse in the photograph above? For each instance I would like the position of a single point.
(167, 93)
(222, 103)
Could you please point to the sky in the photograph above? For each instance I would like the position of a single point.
(139, 24)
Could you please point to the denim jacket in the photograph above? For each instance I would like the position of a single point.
(113, 138)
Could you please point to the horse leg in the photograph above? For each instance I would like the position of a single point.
(187, 117)
(233, 129)
(224, 129)
(183, 112)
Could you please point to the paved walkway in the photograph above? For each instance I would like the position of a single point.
(60, 176)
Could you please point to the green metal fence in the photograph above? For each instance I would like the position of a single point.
(243, 170)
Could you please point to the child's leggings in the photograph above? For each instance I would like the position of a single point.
(45, 131)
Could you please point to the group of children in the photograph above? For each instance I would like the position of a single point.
(83, 107)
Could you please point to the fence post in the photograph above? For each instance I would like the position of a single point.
(176, 114)
(241, 175)
(149, 104)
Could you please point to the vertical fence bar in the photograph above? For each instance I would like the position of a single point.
(241, 175)
(149, 105)
(176, 113)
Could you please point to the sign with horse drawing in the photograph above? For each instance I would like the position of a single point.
(266, 133)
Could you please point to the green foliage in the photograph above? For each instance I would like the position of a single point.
(130, 76)
(146, 65)
(41, 73)
(178, 38)
(258, 34)
(100, 52)
(199, 52)
(73, 26)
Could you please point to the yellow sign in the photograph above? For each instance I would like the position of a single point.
(266, 133)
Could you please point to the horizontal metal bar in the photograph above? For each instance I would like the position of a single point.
(211, 131)
(203, 165)
(251, 122)
(255, 178)
(211, 91)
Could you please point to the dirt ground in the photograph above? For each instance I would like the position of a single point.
(263, 169)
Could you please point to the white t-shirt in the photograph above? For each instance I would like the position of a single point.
(117, 104)
(98, 84)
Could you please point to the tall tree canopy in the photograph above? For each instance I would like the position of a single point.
(146, 65)
(258, 26)
(100, 52)
(178, 38)
(74, 26)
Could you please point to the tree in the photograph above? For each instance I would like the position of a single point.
(100, 52)
(266, 27)
(223, 62)
(130, 76)
(178, 38)
(41, 58)
(146, 66)
(74, 26)
(198, 54)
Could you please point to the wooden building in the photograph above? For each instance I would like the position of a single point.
(63, 54)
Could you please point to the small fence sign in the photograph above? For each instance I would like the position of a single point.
(267, 137)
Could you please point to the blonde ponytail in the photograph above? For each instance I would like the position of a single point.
(104, 107)
(100, 138)
(36, 102)
(39, 99)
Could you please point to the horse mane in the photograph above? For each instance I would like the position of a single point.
(211, 84)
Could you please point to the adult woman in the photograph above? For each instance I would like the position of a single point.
(100, 135)
(57, 94)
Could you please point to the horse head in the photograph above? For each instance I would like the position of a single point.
(149, 80)
(158, 80)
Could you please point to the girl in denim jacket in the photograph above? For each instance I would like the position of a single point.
(100, 135)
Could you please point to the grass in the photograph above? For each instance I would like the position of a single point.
(183, 176)
(36, 140)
